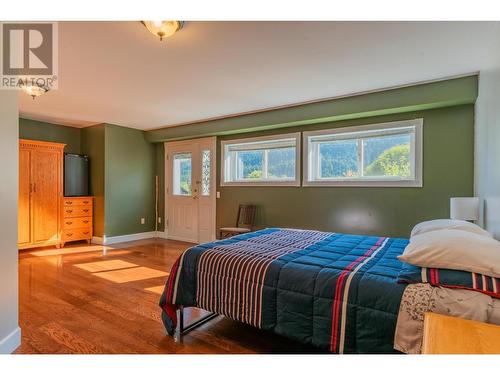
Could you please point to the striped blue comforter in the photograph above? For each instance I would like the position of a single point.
(338, 292)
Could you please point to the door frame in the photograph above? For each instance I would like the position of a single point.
(213, 183)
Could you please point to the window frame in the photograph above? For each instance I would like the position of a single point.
(260, 182)
(417, 152)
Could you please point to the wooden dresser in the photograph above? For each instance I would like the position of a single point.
(77, 219)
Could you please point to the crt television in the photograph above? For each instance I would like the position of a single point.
(76, 175)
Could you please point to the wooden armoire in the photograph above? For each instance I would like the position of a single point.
(40, 193)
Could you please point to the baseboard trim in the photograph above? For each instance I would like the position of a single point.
(175, 238)
(97, 240)
(162, 234)
(10, 342)
(105, 240)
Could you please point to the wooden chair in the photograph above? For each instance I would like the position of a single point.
(244, 222)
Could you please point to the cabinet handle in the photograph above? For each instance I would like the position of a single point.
(85, 221)
(69, 222)
(69, 234)
(34, 188)
(86, 210)
(69, 202)
(85, 202)
(85, 232)
(69, 211)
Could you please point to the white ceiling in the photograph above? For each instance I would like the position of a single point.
(117, 72)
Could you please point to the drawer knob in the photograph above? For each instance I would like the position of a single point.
(85, 232)
(69, 222)
(85, 221)
(86, 210)
(69, 211)
(85, 202)
(69, 234)
(69, 202)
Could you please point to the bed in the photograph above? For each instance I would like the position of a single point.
(338, 292)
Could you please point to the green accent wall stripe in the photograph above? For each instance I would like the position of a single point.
(439, 94)
(448, 111)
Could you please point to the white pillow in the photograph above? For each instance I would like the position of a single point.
(456, 250)
(431, 225)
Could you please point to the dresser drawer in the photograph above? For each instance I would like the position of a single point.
(76, 234)
(77, 222)
(77, 211)
(68, 202)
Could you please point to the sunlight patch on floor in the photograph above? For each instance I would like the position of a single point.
(105, 265)
(130, 274)
(156, 289)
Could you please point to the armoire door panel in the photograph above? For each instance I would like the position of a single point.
(24, 214)
(46, 195)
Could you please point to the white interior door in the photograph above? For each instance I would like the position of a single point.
(190, 193)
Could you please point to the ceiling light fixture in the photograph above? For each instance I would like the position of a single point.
(33, 90)
(163, 29)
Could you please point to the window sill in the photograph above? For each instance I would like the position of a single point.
(365, 183)
(262, 183)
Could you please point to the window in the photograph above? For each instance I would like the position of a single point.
(272, 160)
(388, 154)
(205, 173)
(182, 174)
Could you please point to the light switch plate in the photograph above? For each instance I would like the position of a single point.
(217, 194)
(143, 220)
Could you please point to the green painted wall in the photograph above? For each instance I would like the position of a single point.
(92, 144)
(447, 171)
(448, 111)
(44, 131)
(124, 163)
(122, 167)
(129, 181)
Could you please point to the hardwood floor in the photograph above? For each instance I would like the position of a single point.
(104, 299)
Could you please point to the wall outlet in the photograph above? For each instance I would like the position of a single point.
(143, 220)
(159, 219)
(217, 194)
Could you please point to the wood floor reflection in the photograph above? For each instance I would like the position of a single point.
(104, 299)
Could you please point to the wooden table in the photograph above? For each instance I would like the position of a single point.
(449, 335)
